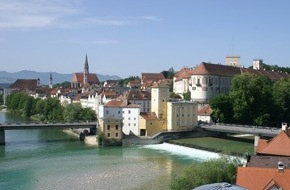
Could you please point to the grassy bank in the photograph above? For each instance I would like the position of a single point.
(227, 145)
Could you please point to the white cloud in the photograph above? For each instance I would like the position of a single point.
(98, 42)
(35, 13)
(107, 21)
(152, 18)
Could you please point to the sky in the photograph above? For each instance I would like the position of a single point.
(130, 37)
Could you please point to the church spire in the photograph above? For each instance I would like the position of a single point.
(86, 71)
(50, 81)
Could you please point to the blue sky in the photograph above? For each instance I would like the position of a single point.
(128, 37)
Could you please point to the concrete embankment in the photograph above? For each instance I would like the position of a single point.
(90, 140)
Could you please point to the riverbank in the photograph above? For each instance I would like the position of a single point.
(90, 140)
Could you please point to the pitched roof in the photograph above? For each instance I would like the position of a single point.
(205, 110)
(216, 69)
(135, 95)
(260, 178)
(149, 115)
(230, 71)
(92, 78)
(184, 73)
(25, 84)
(152, 77)
(279, 145)
(115, 103)
(263, 161)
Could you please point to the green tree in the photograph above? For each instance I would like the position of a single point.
(88, 114)
(187, 95)
(72, 112)
(251, 98)
(211, 171)
(64, 84)
(281, 96)
(28, 107)
(222, 109)
(169, 74)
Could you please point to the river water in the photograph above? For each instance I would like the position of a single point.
(52, 159)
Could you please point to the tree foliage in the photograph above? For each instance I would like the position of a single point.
(124, 82)
(254, 100)
(187, 95)
(48, 109)
(64, 84)
(169, 74)
(223, 109)
(211, 171)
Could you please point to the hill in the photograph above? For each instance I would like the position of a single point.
(7, 77)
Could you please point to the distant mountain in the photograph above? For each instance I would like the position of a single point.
(6, 77)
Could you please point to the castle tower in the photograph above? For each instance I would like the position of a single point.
(159, 97)
(233, 61)
(258, 64)
(86, 71)
(50, 85)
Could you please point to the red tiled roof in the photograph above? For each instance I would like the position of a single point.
(135, 95)
(79, 77)
(184, 73)
(148, 115)
(230, 71)
(152, 77)
(279, 145)
(25, 84)
(115, 103)
(205, 110)
(216, 69)
(260, 178)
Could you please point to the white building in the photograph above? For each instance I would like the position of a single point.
(118, 109)
(181, 81)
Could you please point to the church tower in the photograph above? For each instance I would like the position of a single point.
(86, 71)
(50, 85)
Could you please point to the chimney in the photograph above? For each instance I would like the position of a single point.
(284, 126)
(280, 166)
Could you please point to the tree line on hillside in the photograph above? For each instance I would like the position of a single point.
(48, 109)
(254, 100)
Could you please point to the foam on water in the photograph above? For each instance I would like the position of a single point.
(200, 155)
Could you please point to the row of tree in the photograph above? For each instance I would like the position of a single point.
(254, 100)
(48, 109)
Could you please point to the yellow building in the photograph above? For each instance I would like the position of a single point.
(159, 97)
(181, 115)
(111, 127)
(167, 115)
(150, 125)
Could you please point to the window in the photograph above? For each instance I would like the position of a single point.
(108, 134)
(151, 123)
(128, 124)
(129, 118)
(134, 124)
(117, 127)
(119, 112)
(134, 118)
(198, 82)
(176, 115)
(117, 134)
(182, 115)
(108, 127)
(107, 111)
(129, 111)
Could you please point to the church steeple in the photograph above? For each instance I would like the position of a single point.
(86, 71)
(50, 81)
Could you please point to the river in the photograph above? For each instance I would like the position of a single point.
(52, 159)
